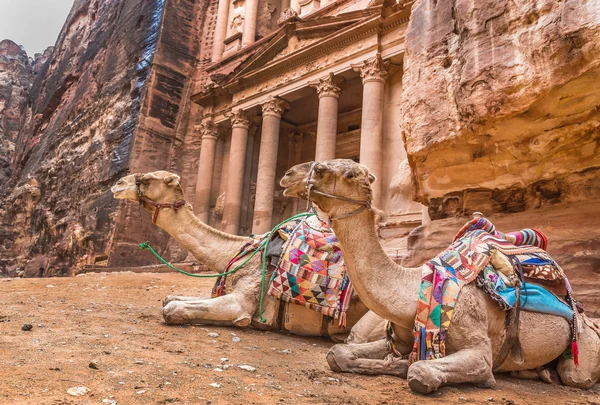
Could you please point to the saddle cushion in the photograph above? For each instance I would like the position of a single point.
(477, 246)
(311, 272)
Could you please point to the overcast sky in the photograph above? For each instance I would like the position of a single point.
(35, 24)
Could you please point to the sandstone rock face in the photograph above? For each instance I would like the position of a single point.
(501, 100)
(500, 115)
(77, 138)
(112, 99)
(16, 77)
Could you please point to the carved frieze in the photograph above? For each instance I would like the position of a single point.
(375, 69)
(326, 86)
(274, 106)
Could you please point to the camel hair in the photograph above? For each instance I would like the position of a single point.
(477, 331)
(215, 249)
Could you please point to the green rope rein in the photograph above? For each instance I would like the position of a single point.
(263, 245)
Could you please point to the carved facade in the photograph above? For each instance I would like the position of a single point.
(321, 84)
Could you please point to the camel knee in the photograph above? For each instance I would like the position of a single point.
(575, 376)
(168, 299)
(423, 379)
(337, 358)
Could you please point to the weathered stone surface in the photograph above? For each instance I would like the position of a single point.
(84, 108)
(500, 93)
(16, 77)
(500, 115)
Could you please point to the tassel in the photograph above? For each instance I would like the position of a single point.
(575, 352)
(342, 320)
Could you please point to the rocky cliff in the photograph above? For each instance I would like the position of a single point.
(76, 141)
(112, 99)
(501, 115)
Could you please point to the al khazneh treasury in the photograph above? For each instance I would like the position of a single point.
(315, 81)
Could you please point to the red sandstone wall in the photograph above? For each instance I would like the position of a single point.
(84, 109)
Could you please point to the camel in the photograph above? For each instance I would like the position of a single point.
(215, 249)
(341, 189)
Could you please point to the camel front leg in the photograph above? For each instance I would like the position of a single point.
(171, 298)
(229, 309)
(471, 365)
(366, 358)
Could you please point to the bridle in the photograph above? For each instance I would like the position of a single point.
(364, 204)
(157, 206)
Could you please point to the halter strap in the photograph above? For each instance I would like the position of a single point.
(157, 206)
(311, 190)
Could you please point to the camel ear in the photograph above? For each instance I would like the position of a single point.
(372, 178)
(172, 180)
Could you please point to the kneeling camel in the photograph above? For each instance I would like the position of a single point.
(341, 189)
(214, 249)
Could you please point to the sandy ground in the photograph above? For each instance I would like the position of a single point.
(114, 322)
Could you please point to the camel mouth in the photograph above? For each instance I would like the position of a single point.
(118, 192)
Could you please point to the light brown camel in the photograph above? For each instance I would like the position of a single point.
(477, 331)
(214, 249)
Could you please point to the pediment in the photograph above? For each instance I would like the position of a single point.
(297, 36)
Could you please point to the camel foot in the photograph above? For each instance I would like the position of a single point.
(489, 383)
(332, 361)
(423, 379)
(243, 321)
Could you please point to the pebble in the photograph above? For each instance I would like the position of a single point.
(27, 327)
(139, 362)
(218, 369)
(224, 360)
(109, 401)
(140, 392)
(212, 334)
(93, 365)
(247, 367)
(236, 339)
(50, 286)
(216, 385)
(78, 391)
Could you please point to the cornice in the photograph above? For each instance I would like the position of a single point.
(334, 41)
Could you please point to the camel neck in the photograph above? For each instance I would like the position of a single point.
(211, 247)
(387, 288)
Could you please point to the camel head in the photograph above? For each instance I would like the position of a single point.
(160, 187)
(338, 187)
(293, 180)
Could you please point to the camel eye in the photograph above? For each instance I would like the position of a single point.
(349, 175)
(319, 170)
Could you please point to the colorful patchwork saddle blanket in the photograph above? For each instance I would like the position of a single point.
(509, 257)
(311, 271)
(309, 267)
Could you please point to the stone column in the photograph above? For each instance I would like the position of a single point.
(220, 30)
(329, 94)
(208, 132)
(267, 164)
(373, 73)
(294, 157)
(235, 172)
(250, 17)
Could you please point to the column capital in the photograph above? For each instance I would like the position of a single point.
(274, 106)
(207, 129)
(239, 118)
(326, 86)
(373, 70)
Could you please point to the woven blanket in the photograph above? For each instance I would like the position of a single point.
(445, 275)
(311, 272)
